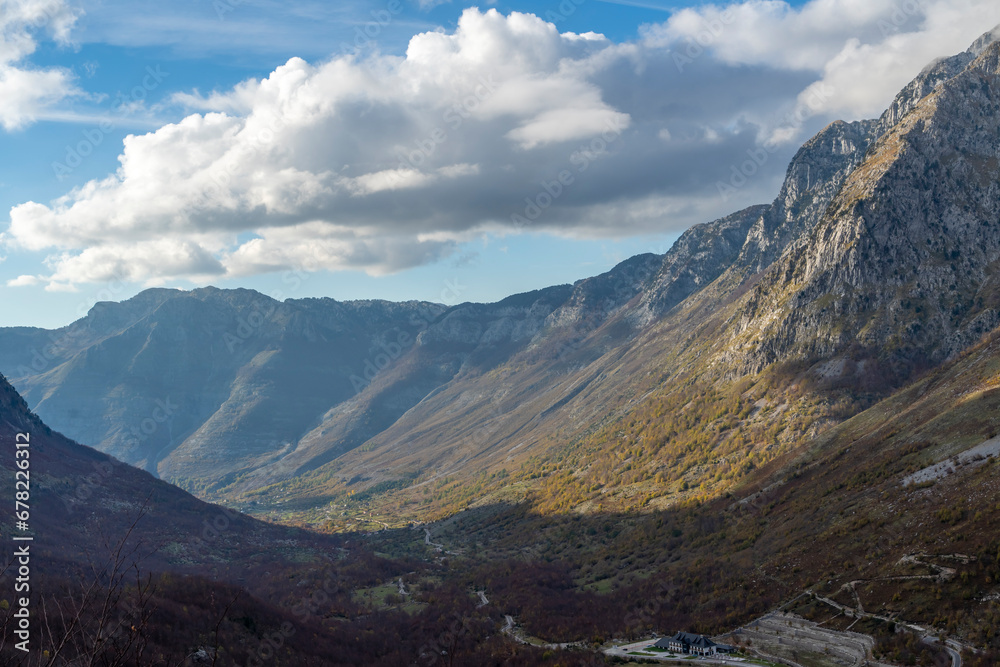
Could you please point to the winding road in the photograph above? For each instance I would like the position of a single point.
(510, 630)
(949, 645)
(956, 657)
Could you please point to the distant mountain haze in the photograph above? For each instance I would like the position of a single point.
(155, 378)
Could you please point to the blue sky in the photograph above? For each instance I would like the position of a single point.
(403, 167)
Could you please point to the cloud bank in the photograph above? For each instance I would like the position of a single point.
(25, 91)
(503, 125)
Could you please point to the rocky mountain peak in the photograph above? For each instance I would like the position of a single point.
(813, 177)
(988, 57)
(930, 78)
(988, 38)
(903, 264)
(699, 256)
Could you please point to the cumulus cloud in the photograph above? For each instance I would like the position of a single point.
(502, 125)
(25, 91)
(23, 281)
(864, 50)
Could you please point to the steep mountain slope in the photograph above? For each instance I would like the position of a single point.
(835, 323)
(698, 257)
(479, 372)
(155, 379)
(814, 177)
(878, 525)
(260, 391)
(80, 497)
(882, 268)
(796, 404)
(212, 387)
(903, 265)
(665, 378)
(29, 351)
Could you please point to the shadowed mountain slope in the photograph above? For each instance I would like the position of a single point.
(82, 500)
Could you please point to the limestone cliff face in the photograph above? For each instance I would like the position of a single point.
(932, 76)
(750, 240)
(699, 256)
(814, 177)
(879, 250)
(903, 265)
(595, 300)
(514, 320)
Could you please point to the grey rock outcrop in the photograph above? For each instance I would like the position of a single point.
(903, 265)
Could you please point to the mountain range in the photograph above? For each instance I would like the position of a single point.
(797, 401)
(875, 262)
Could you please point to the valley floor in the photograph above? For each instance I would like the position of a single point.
(780, 637)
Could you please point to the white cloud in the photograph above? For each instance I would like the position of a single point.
(565, 125)
(368, 155)
(773, 33)
(319, 245)
(26, 92)
(388, 179)
(23, 281)
(150, 260)
(865, 51)
(389, 162)
(863, 77)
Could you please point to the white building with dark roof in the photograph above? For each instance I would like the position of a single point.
(687, 642)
